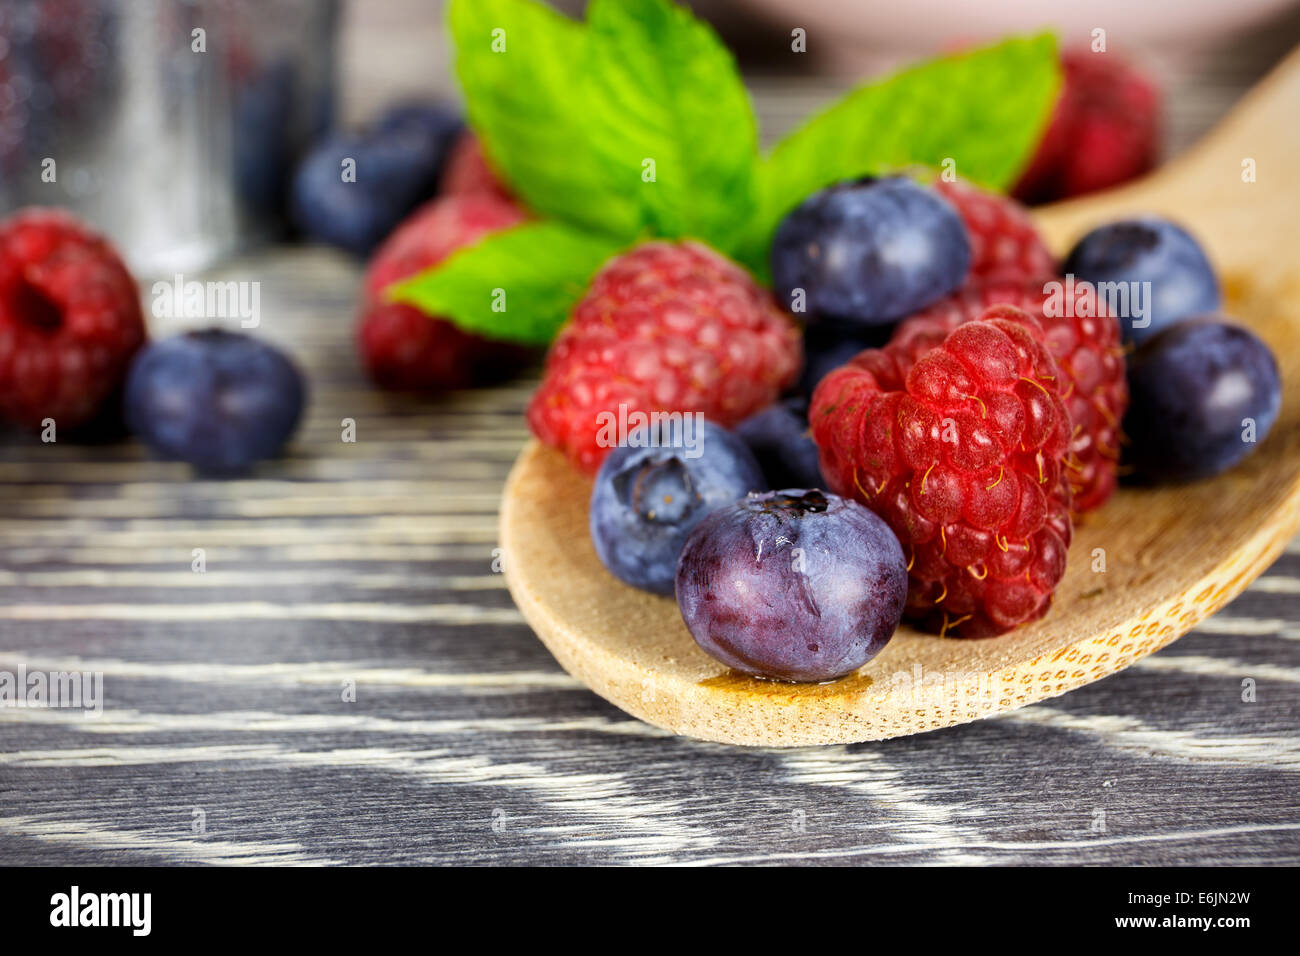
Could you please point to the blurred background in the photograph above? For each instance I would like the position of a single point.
(185, 159)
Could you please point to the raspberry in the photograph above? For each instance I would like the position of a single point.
(960, 451)
(70, 319)
(1104, 131)
(667, 326)
(1086, 346)
(1004, 242)
(405, 349)
(468, 172)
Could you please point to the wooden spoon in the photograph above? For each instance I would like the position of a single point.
(1171, 556)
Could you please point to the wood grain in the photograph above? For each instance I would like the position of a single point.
(1171, 556)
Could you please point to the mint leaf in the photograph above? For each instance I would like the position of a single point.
(520, 65)
(664, 97)
(518, 285)
(985, 109)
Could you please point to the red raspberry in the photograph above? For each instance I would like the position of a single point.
(960, 452)
(1004, 242)
(1104, 131)
(468, 172)
(70, 319)
(1086, 346)
(405, 349)
(667, 326)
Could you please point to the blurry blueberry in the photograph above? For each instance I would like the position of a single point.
(792, 585)
(432, 120)
(646, 500)
(1203, 393)
(219, 400)
(780, 440)
(828, 344)
(397, 167)
(869, 251)
(1147, 249)
(262, 114)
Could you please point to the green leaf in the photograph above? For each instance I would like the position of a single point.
(985, 110)
(520, 66)
(518, 285)
(663, 89)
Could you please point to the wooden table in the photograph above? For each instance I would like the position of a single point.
(373, 563)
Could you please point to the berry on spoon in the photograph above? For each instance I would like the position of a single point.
(792, 585)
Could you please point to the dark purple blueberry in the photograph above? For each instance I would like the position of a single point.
(221, 401)
(1203, 393)
(869, 252)
(396, 167)
(828, 344)
(646, 500)
(779, 438)
(1119, 257)
(792, 585)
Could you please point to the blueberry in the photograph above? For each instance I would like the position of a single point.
(792, 585)
(779, 438)
(218, 400)
(869, 251)
(1146, 249)
(397, 166)
(1202, 393)
(646, 500)
(261, 116)
(431, 120)
(829, 344)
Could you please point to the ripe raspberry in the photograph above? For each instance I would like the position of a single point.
(1004, 242)
(402, 347)
(468, 172)
(1104, 131)
(667, 326)
(70, 319)
(959, 450)
(1085, 344)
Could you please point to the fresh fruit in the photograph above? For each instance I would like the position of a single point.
(961, 452)
(467, 171)
(869, 251)
(1004, 243)
(1082, 337)
(352, 189)
(219, 400)
(653, 490)
(1134, 252)
(666, 326)
(1104, 131)
(792, 585)
(1205, 392)
(780, 440)
(827, 345)
(401, 346)
(70, 319)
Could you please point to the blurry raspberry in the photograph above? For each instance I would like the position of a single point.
(70, 319)
(1086, 346)
(1004, 242)
(402, 347)
(1104, 131)
(667, 326)
(960, 451)
(468, 173)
